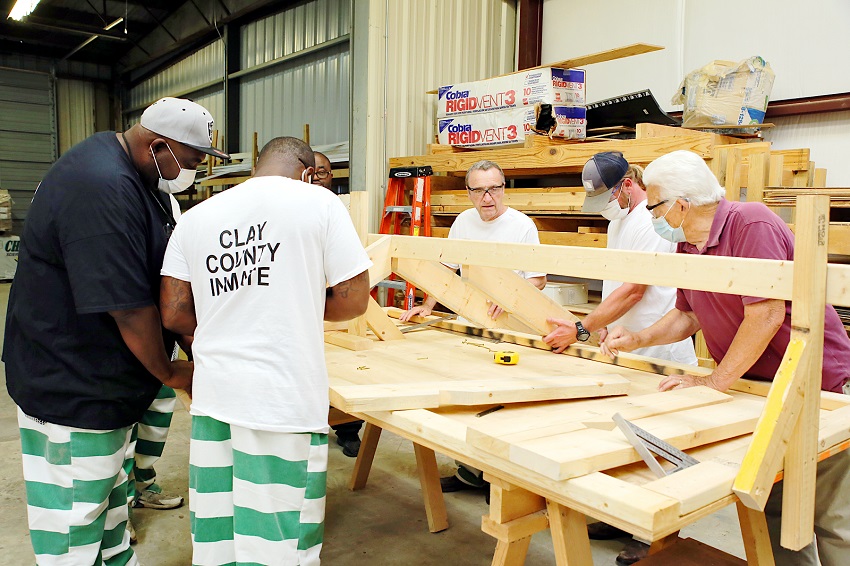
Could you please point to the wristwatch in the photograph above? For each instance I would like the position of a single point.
(582, 335)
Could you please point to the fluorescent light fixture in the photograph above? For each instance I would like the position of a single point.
(113, 24)
(22, 9)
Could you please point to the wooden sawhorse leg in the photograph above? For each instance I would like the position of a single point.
(432, 494)
(515, 515)
(429, 476)
(756, 539)
(363, 464)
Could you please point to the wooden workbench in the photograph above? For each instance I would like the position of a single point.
(526, 496)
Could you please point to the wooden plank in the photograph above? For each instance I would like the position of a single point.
(365, 456)
(348, 341)
(733, 174)
(444, 285)
(429, 481)
(434, 394)
(551, 238)
(794, 159)
(767, 450)
(696, 486)
(807, 319)
(592, 230)
(380, 323)
(570, 455)
(509, 504)
(598, 57)
(554, 159)
(819, 180)
(756, 538)
(744, 276)
(359, 211)
(502, 431)
(518, 296)
(689, 552)
(569, 536)
(516, 529)
(757, 175)
(658, 130)
(839, 237)
(379, 253)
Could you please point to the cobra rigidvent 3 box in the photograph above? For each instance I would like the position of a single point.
(549, 85)
(508, 127)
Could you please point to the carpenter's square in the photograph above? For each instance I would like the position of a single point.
(648, 444)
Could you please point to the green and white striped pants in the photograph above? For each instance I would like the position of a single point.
(151, 433)
(76, 482)
(256, 497)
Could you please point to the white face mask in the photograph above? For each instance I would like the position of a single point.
(184, 179)
(612, 210)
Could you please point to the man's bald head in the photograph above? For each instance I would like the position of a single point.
(286, 157)
(323, 175)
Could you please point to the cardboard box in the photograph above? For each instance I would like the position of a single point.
(508, 127)
(567, 293)
(525, 88)
(5, 211)
(726, 93)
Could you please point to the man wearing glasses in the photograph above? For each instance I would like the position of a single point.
(747, 336)
(323, 176)
(490, 220)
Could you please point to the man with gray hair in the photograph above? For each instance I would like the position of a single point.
(746, 336)
(489, 220)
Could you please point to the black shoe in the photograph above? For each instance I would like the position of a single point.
(350, 446)
(452, 483)
(634, 551)
(604, 531)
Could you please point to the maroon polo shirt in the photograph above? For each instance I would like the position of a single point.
(750, 229)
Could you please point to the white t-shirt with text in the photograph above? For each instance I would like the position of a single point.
(259, 257)
(635, 233)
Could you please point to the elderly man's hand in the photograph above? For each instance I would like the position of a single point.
(619, 339)
(494, 311)
(686, 380)
(421, 310)
(562, 337)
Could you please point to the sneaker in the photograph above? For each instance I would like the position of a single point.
(350, 446)
(132, 531)
(151, 499)
(634, 551)
(453, 483)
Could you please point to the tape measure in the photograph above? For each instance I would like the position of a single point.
(506, 358)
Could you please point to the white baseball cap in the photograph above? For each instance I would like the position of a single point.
(183, 121)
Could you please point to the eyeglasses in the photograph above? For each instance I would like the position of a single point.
(321, 174)
(479, 192)
(656, 205)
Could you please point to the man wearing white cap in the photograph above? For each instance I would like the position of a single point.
(85, 352)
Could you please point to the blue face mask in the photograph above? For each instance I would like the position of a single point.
(663, 228)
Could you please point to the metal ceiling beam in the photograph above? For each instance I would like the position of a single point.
(51, 25)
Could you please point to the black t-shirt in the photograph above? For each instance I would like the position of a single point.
(93, 242)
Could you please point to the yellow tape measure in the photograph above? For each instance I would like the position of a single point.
(506, 358)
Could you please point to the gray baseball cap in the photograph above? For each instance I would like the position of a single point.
(183, 121)
(600, 175)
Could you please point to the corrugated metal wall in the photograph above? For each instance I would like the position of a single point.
(27, 134)
(190, 74)
(310, 89)
(429, 43)
(75, 102)
(440, 42)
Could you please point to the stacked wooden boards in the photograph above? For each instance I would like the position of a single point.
(568, 451)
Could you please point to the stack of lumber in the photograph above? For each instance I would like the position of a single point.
(787, 196)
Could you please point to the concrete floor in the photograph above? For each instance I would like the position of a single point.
(384, 524)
